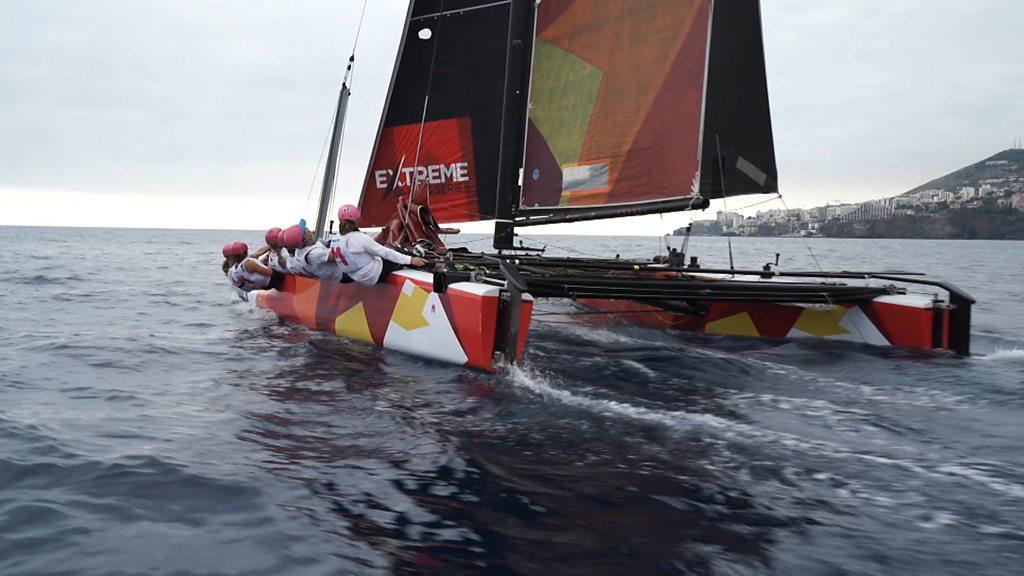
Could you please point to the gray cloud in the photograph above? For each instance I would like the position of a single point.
(235, 97)
(876, 97)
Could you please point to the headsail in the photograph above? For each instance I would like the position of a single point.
(737, 120)
(443, 119)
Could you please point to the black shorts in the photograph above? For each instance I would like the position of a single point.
(387, 269)
(276, 280)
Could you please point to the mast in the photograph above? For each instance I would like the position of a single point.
(518, 69)
(327, 190)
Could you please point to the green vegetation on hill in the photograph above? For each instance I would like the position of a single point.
(971, 175)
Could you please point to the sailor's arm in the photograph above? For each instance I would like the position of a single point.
(369, 245)
(257, 268)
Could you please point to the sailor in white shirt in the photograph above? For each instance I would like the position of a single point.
(273, 254)
(361, 258)
(245, 272)
(311, 258)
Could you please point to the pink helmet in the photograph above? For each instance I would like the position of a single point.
(280, 237)
(291, 237)
(239, 249)
(228, 250)
(273, 236)
(349, 212)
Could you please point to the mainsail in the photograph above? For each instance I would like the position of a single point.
(574, 109)
(631, 99)
(446, 119)
(615, 102)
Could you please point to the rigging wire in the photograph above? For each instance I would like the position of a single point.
(346, 82)
(316, 170)
(355, 44)
(423, 117)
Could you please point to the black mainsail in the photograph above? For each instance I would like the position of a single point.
(451, 119)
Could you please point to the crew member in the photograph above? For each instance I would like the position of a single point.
(311, 257)
(360, 257)
(276, 256)
(246, 272)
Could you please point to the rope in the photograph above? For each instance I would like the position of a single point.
(806, 243)
(664, 240)
(772, 199)
(467, 242)
(546, 244)
(721, 174)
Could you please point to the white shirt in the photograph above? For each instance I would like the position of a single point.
(362, 257)
(274, 259)
(316, 260)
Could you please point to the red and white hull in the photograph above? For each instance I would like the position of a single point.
(468, 324)
(901, 320)
(460, 326)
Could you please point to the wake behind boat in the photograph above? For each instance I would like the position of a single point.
(574, 110)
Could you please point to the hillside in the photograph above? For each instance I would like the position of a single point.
(971, 175)
(985, 222)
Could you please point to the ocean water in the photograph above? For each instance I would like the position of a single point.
(150, 423)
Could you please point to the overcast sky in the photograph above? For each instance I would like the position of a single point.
(212, 114)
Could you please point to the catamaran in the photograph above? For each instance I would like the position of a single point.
(529, 113)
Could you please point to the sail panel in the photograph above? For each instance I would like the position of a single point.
(737, 118)
(457, 49)
(615, 102)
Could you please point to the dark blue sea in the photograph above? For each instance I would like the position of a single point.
(151, 423)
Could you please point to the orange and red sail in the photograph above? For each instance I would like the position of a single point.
(615, 102)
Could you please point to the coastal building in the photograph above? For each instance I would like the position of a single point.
(1017, 202)
(730, 220)
(877, 210)
(750, 227)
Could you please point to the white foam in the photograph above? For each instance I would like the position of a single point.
(678, 420)
(1011, 355)
(961, 471)
(938, 519)
(640, 367)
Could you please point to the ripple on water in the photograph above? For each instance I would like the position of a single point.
(175, 430)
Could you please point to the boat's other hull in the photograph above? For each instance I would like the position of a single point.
(905, 321)
(403, 313)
